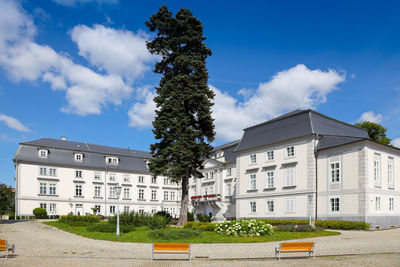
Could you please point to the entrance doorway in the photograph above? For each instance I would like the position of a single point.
(79, 209)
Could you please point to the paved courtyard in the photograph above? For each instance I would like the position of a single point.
(38, 244)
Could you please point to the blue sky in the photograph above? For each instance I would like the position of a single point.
(79, 68)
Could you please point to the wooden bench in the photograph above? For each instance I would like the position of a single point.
(4, 246)
(290, 247)
(171, 248)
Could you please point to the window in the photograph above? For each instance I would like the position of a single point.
(335, 172)
(335, 204)
(270, 179)
(166, 193)
(377, 203)
(97, 207)
(252, 181)
(141, 193)
(390, 173)
(78, 157)
(290, 206)
(141, 179)
(112, 209)
(270, 206)
(172, 195)
(42, 153)
(153, 180)
(166, 181)
(52, 172)
(43, 206)
(127, 193)
(253, 207)
(391, 204)
(42, 171)
(42, 188)
(229, 172)
(52, 208)
(253, 159)
(153, 210)
(112, 160)
(111, 177)
(206, 175)
(52, 189)
(113, 192)
(290, 176)
(126, 209)
(141, 210)
(212, 175)
(97, 191)
(290, 151)
(97, 175)
(229, 189)
(153, 194)
(126, 178)
(78, 174)
(78, 190)
(270, 155)
(377, 169)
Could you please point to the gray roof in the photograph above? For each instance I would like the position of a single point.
(62, 153)
(295, 124)
(334, 141)
(228, 149)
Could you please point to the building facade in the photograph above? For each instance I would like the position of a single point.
(63, 177)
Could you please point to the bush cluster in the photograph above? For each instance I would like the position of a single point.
(40, 213)
(141, 219)
(173, 233)
(203, 218)
(109, 228)
(157, 222)
(336, 225)
(297, 228)
(80, 223)
(245, 227)
(202, 226)
(75, 218)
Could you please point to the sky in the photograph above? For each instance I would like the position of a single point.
(80, 68)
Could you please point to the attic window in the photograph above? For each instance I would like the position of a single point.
(78, 157)
(43, 153)
(112, 160)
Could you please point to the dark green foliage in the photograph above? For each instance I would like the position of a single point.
(173, 233)
(40, 213)
(80, 223)
(183, 124)
(74, 218)
(157, 222)
(132, 218)
(297, 228)
(110, 228)
(375, 131)
(338, 225)
(7, 199)
(190, 216)
(202, 226)
(165, 214)
(203, 218)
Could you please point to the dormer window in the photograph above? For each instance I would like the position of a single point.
(42, 153)
(112, 160)
(78, 157)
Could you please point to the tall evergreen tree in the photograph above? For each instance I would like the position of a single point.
(183, 124)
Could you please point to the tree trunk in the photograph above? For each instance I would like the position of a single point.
(185, 200)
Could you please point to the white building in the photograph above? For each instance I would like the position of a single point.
(63, 176)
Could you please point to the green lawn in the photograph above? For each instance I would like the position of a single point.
(140, 236)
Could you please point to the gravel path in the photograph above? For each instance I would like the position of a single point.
(49, 246)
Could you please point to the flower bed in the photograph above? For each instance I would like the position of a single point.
(249, 227)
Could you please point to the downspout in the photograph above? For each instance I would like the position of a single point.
(316, 177)
(105, 192)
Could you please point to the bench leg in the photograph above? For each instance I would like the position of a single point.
(152, 252)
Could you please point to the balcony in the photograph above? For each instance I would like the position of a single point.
(213, 200)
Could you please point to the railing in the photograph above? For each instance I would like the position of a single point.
(210, 197)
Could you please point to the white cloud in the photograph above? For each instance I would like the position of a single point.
(396, 142)
(142, 112)
(71, 3)
(87, 91)
(370, 116)
(13, 123)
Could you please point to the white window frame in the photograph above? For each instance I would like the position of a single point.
(290, 151)
(98, 208)
(126, 178)
(52, 171)
(291, 208)
(112, 209)
(97, 191)
(252, 181)
(127, 193)
(141, 179)
(253, 207)
(78, 190)
(112, 160)
(141, 210)
(269, 178)
(229, 189)
(166, 195)
(112, 192)
(97, 175)
(112, 176)
(43, 153)
(78, 157)
(43, 171)
(42, 188)
(391, 204)
(78, 174)
(153, 194)
(141, 194)
(390, 173)
(334, 204)
(268, 206)
(377, 170)
(378, 203)
(229, 172)
(43, 205)
(290, 176)
(269, 155)
(126, 209)
(335, 173)
(52, 208)
(153, 180)
(53, 185)
(172, 195)
(252, 159)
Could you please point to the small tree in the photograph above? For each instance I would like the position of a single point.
(375, 131)
(7, 199)
(183, 123)
(40, 213)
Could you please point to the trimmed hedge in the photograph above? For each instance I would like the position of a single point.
(336, 225)
(173, 233)
(109, 228)
(40, 213)
(202, 226)
(297, 228)
(74, 218)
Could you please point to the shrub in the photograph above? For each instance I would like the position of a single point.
(40, 213)
(109, 228)
(202, 226)
(157, 222)
(75, 218)
(245, 227)
(297, 228)
(190, 216)
(132, 218)
(173, 233)
(80, 224)
(203, 218)
(164, 214)
(337, 225)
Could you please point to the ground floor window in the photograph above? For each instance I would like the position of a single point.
(270, 206)
(112, 209)
(52, 208)
(141, 210)
(97, 207)
(377, 203)
(43, 206)
(391, 204)
(153, 210)
(126, 209)
(290, 205)
(335, 204)
(253, 207)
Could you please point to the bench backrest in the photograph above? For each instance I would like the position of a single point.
(3, 244)
(171, 246)
(297, 245)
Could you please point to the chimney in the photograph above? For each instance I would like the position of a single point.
(63, 138)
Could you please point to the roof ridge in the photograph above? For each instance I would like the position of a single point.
(284, 116)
